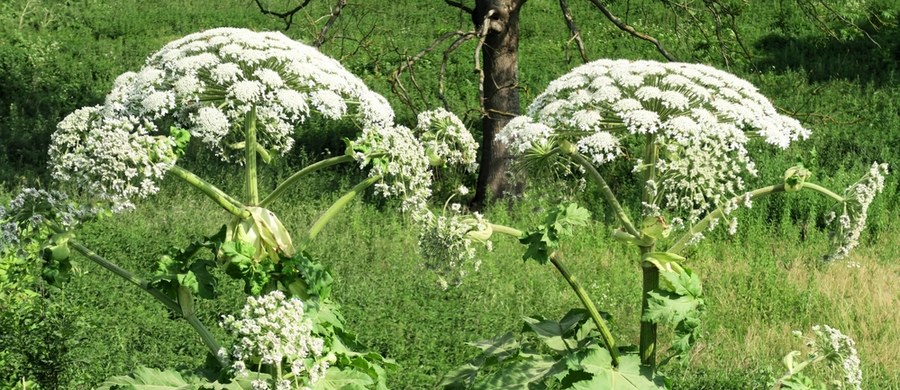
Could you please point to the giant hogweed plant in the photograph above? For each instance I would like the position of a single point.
(685, 130)
(242, 96)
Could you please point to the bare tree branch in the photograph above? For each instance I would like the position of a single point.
(287, 17)
(461, 6)
(627, 28)
(573, 31)
(485, 27)
(335, 13)
(397, 85)
(455, 45)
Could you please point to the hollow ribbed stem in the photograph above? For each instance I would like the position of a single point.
(607, 194)
(586, 301)
(293, 179)
(649, 275)
(186, 301)
(605, 335)
(335, 208)
(823, 191)
(250, 156)
(230, 204)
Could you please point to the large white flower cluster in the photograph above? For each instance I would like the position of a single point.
(22, 220)
(858, 197)
(113, 157)
(208, 83)
(702, 117)
(274, 330)
(446, 139)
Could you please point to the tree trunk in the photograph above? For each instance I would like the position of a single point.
(501, 93)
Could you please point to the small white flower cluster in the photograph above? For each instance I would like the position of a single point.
(112, 157)
(447, 139)
(446, 242)
(208, 83)
(399, 158)
(273, 330)
(839, 348)
(848, 226)
(26, 213)
(702, 117)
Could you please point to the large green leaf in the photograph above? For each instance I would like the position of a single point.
(338, 379)
(520, 374)
(629, 375)
(555, 334)
(152, 379)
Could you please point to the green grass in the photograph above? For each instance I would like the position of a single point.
(760, 284)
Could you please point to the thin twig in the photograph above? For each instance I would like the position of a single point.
(574, 34)
(397, 84)
(627, 28)
(335, 13)
(287, 17)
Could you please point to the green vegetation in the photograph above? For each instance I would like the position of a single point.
(758, 285)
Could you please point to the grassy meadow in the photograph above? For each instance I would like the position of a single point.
(759, 284)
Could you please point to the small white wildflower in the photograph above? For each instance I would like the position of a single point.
(463, 190)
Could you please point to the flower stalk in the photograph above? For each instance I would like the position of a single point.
(605, 334)
(250, 156)
(294, 178)
(607, 194)
(230, 204)
(335, 208)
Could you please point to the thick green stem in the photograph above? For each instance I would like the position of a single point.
(125, 274)
(230, 204)
(649, 331)
(605, 335)
(335, 208)
(650, 275)
(186, 301)
(290, 181)
(506, 230)
(250, 156)
(823, 191)
(607, 194)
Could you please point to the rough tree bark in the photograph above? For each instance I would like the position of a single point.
(500, 90)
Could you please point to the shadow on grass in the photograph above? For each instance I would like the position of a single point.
(825, 58)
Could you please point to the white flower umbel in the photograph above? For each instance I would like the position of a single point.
(273, 330)
(207, 83)
(112, 157)
(447, 243)
(395, 154)
(446, 139)
(701, 117)
(847, 227)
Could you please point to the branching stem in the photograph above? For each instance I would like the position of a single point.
(294, 178)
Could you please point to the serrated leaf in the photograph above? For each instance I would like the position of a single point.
(145, 378)
(499, 347)
(550, 333)
(629, 375)
(669, 309)
(519, 375)
(338, 379)
(461, 377)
